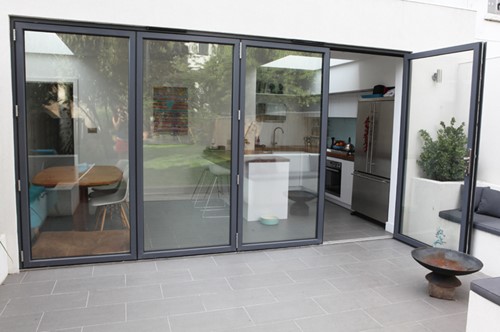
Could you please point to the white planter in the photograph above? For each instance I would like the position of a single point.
(423, 201)
(4, 260)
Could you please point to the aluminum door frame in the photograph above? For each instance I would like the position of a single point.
(322, 152)
(20, 27)
(474, 126)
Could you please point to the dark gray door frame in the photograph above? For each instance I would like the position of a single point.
(479, 51)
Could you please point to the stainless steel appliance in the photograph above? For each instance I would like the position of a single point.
(372, 165)
(333, 177)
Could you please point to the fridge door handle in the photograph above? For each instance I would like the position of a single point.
(370, 178)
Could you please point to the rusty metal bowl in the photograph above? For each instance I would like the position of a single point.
(446, 261)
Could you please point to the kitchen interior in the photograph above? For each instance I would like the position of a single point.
(358, 165)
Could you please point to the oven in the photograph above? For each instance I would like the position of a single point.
(333, 177)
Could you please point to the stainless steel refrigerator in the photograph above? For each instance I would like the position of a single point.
(372, 162)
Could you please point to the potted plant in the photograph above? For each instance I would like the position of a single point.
(442, 162)
(443, 159)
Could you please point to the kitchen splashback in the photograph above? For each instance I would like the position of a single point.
(342, 129)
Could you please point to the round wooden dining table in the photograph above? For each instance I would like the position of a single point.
(94, 176)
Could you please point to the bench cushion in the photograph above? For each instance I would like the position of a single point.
(480, 221)
(488, 288)
(490, 203)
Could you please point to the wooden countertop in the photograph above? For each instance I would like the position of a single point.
(340, 155)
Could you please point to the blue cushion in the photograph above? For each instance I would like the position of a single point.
(490, 203)
(35, 192)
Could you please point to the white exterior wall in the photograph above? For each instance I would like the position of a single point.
(393, 24)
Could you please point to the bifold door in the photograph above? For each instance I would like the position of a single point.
(440, 126)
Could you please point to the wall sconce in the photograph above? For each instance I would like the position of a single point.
(438, 76)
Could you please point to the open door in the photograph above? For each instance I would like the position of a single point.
(439, 146)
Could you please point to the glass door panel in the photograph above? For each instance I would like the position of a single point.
(76, 114)
(440, 131)
(186, 144)
(281, 144)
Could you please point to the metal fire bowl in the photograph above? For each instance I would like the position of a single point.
(446, 261)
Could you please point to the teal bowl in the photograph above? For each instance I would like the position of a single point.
(269, 220)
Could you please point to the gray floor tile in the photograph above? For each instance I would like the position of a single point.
(287, 326)
(14, 278)
(86, 284)
(282, 311)
(403, 312)
(380, 265)
(316, 273)
(210, 321)
(259, 280)
(25, 323)
(361, 299)
(284, 254)
(277, 266)
(196, 287)
(302, 290)
(451, 323)
(376, 254)
(62, 319)
(241, 258)
(124, 268)
(214, 272)
(447, 307)
(339, 248)
(404, 292)
(44, 303)
(237, 298)
(407, 327)
(124, 295)
(329, 260)
(357, 282)
(149, 278)
(347, 321)
(151, 325)
(185, 263)
(163, 308)
(406, 276)
(28, 289)
(59, 274)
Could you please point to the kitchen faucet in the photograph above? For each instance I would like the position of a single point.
(273, 142)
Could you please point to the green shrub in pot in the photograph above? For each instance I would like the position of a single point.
(443, 159)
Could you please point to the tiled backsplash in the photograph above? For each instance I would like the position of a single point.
(342, 129)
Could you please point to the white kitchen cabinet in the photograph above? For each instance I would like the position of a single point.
(343, 105)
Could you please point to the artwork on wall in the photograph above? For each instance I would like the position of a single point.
(49, 107)
(170, 111)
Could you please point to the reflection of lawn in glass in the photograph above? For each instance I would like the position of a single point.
(173, 165)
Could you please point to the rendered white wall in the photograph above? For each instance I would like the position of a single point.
(384, 23)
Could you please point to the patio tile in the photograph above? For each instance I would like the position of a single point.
(357, 282)
(351, 301)
(125, 294)
(237, 298)
(149, 278)
(44, 303)
(316, 273)
(259, 280)
(163, 308)
(286, 326)
(339, 248)
(276, 266)
(451, 323)
(210, 321)
(29, 289)
(375, 254)
(407, 327)
(220, 271)
(241, 258)
(447, 307)
(185, 263)
(405, 276)
(402, 312)
(15, 278)
(86, 284)
(281, 311)
(124, 268)
(58, 274)
(285, 254)
(404, 292)
(347, 321)
(61, 319)
(196, 287)
(380, 265)
(150, 325)
(24, 323)
(329, 260)
(302, 290)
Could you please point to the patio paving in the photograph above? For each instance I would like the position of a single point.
(360, 286)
